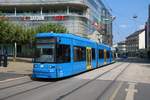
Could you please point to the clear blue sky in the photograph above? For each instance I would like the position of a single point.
(124, 10)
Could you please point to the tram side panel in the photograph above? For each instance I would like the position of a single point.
(65, 68)
(110, 56)
(94, 56)
(83, 56)
(107, 56)
(100, 53)
(79, 57)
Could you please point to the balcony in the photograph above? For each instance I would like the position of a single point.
(39, 16)
(39, 2)
(43, 14)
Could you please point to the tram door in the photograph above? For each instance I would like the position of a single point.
(88, 58)
(105, 56)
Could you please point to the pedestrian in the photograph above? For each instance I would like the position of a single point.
(5, 58)
(0, 57)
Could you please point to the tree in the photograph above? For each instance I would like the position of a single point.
(5, 30)
(56, 28)
(11, 32)
(17, 34)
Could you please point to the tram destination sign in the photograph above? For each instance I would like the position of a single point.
(45, 40)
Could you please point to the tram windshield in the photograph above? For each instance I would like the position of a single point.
(48, 52)
(53, 54)
(45, 50)
(44, 55)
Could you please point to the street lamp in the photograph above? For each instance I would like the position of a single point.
(135, 21)
(112, 18)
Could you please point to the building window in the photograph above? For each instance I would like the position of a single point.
(63, 53)
(101, 54)
(79, 53)
(93, 53)
(19, 49)
(93, 3)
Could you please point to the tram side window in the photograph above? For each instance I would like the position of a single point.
(79, 53)
(108, 54)
(93, 53)
(63, 53)
(101, 54)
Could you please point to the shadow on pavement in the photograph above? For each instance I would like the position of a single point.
(134, 60)
(5, 76)
(19, 59)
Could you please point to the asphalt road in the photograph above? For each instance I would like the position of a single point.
(118, 81)
(5, 76)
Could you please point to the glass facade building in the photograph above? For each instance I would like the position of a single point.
(81, 17)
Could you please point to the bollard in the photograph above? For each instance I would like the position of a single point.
(0, 60)
(5, 59)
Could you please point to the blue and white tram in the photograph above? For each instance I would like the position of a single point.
(60, 55)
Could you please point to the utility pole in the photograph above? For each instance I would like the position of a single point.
(15, 51)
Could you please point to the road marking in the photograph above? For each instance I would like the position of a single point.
(116, 91)
(130, 91)
(12, 79)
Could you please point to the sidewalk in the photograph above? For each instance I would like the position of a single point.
(22, 67)
(134, 60)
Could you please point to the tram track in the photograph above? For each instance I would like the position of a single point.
(16, 85)
(22, 84)
(111, 83)
(18, 93)
(47, 84)
(100, 75)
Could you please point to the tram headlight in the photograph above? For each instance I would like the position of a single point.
(35, 66)
(42, 66)
(50, 67)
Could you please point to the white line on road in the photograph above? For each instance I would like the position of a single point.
(130, 91)
(116, 91)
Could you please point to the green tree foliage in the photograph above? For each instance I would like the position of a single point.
(56, 28)
(5, 32)
(11, 33)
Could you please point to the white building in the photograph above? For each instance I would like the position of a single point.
(142, 41)
(136, 44)
(86, 18)
(120, 48)
(80, 17)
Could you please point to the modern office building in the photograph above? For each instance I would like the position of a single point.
(81, 17)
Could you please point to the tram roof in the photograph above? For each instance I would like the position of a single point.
(67, 35)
